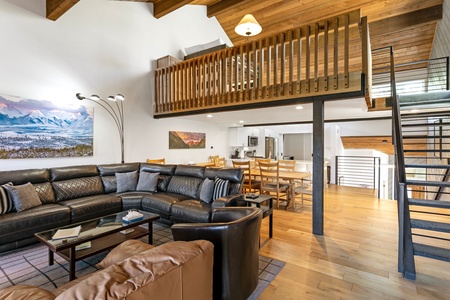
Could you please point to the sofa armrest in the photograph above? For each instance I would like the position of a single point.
(230, 200)
(25, 292)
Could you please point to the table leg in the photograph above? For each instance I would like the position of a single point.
(72, 263)
(270, 218)
(51, 259)
(150, 233)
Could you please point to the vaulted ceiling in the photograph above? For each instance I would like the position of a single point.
(407, 25)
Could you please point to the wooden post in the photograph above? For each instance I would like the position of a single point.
(318, 173)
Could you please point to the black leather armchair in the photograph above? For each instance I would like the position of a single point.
(234, 231)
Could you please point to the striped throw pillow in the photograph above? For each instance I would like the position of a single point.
(220, 188)
(6, 204)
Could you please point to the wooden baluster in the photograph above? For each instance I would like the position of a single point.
(229, 74)
(346, 49)
(172, 88)
(280, 89)
(269, 67)
(275, 67)
(236, 74)
(183, 85)
(216, 69)
(308, 58)
(260, 72)
(325, 55)
(336, 53)
(299, 60)
(290, 84)
(316, 57)
(248, 91)
(195, 83)
(242, 75)
(254, 72)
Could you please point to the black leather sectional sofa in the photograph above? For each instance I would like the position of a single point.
(77, 193)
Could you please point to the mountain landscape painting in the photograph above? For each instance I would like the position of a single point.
(39, 129)
(186, 140)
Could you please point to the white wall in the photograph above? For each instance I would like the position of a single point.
(104, 47)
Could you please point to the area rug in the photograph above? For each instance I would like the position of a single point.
(29, 265)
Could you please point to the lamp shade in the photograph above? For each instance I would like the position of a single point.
(248, 26)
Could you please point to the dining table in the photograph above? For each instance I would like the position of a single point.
(289, 176)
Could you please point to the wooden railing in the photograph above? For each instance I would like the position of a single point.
(324, 58)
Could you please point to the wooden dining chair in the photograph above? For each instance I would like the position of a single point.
(302, 188)
(219, 162)
(257, 160)
(161, 161)
(287, 165)
(250, 185)
(270, 181)
(213, 158)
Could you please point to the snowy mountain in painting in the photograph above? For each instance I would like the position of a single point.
(12, 116)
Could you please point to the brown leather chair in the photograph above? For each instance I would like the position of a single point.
(234, 231)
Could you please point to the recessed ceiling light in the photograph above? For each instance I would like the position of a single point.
(241, 121)
(209, 116)
(299, 107)
(414, 110)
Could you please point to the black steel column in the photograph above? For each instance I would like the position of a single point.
(318, 153)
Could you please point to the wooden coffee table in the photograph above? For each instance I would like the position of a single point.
(103, 233)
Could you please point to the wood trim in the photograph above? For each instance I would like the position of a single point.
(162, 8)
(222, 6)
(56, 8)
(393, 24)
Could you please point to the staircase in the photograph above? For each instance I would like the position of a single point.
(422, 121)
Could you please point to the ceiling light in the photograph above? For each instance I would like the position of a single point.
(248, 26)
(241, 121)
(209, 116)
(299, 107)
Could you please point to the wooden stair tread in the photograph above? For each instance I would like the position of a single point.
(431, 251)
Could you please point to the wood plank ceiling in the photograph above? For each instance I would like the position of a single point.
(407, 25)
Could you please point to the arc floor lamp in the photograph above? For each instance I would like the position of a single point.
(116, 112)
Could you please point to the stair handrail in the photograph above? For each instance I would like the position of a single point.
(405, 247)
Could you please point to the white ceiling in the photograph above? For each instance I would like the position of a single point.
(338, 110)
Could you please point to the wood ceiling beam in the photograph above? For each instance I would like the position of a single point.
(403, 21)
(223, 5)
(56, 8)
(162, 8)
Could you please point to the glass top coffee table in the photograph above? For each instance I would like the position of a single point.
(102, 233)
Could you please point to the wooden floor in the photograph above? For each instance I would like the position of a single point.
(356, 258)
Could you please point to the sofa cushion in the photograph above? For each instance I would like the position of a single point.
(161, 203)
(18, 177)
(109, 184)
(25, 292)
(206, 190)
(126, 182)
(72, 172)
(184, 185)
(220, 188)
(191, 171)
(148, 182)
(234, 175)
(23, 196)
(165, 173)
(175, 270)
(6, 204)
(19, 226)
(124, 251)
(45, 192)
(194, 211)
(82, 209)
(77, 188)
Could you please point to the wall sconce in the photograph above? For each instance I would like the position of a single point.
(248, 26)
(116, 112)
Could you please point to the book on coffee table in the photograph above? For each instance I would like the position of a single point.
(66, 233)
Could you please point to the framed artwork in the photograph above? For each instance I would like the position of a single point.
(39, 129)
(186, 140)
